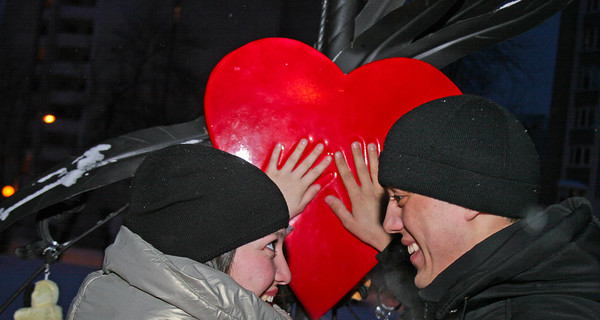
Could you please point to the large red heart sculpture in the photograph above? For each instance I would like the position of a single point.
(281, 90)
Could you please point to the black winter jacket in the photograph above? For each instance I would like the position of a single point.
(544, 267)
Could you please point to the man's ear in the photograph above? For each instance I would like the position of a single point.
(471, 214)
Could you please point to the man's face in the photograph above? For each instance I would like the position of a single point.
(431, 230)
(260, 266)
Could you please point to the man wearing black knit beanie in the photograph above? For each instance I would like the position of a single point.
(461, 175)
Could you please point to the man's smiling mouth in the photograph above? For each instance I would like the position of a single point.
(413, 247)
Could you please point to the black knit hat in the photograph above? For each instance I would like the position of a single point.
(464, 150)
(198, 202)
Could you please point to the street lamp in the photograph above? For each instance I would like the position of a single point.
(49, 118)
(8, 191)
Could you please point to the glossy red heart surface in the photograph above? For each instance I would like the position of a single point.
(281, 90)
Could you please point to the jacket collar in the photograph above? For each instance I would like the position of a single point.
(507, 254)
(193, 287)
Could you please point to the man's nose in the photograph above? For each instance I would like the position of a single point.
(393, 218)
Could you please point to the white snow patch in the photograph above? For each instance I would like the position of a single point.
(508, 4)
(89, 160)
(193, 141)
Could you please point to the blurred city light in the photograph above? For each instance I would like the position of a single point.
(8, 191)
(49, 118)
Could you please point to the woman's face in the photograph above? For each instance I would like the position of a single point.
(260, 266)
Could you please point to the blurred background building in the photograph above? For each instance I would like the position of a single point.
(77, 72)
(573, 147)
(45, 56)
(107, 67)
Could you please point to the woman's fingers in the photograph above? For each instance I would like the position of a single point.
(275, 155)
(309, 160)
(312, 175)
(292, 161)
(295, 178)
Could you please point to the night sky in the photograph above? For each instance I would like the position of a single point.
(532, 93)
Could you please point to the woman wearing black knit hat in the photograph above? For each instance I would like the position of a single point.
(203, 238)
(461, 175)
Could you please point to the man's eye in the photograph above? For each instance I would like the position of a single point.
(396, 198)
(271, 245)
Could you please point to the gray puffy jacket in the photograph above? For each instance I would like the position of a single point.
(140, 282)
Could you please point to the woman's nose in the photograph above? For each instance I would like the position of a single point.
(283, 275)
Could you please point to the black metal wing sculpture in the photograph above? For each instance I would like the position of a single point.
(108, 162)
(438, 32)
(113, 160)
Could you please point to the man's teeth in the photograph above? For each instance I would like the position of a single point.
(412, 248)
(267, 298)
